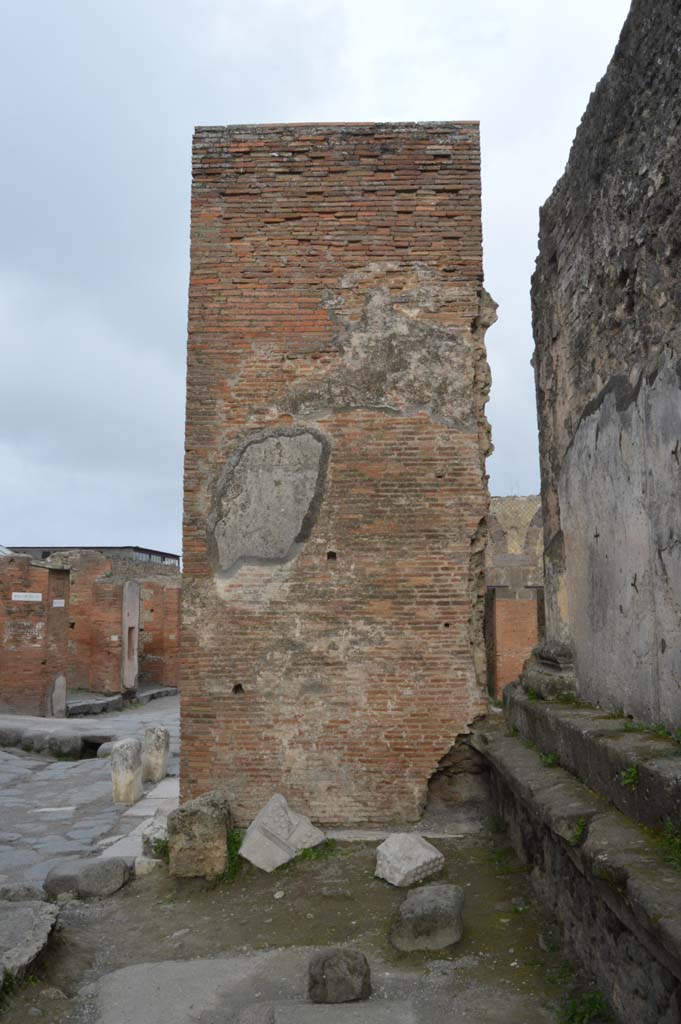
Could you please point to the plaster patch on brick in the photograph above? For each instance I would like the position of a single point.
(267, 499)
(399, 352)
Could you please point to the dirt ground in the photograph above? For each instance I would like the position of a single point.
(333, 900)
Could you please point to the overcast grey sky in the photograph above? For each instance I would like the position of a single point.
(98, 102)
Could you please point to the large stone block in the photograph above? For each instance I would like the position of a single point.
(405, 858)
(277, 834)
(339, 976)
(155, 751)
(431, 917)
(101, 876)
(126, 771)
(25, 928)
(197, 837)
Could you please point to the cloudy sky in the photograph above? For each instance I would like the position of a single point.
(98, 101)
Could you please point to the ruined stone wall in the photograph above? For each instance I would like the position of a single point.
(514, 610)
(335, 496)
(606, 319)
(34, 609)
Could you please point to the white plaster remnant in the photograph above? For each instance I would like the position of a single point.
(277, 834)
(405, 858)
(126, 771)
(155, 752)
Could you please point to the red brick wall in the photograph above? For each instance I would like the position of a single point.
(336, 291)
(33, 635)
(516, 631)
(95, 635)
(159, 633)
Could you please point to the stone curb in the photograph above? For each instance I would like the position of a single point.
(600, 751)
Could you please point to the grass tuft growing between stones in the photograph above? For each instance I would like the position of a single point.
(549, 760)
(629, 776)
(589, 1008)
(235, 861)
(161, 849)
(579, 832)
(671, 844)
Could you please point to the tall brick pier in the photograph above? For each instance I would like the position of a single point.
(335, 493)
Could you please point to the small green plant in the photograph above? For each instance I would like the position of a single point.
(671, 844)
(234, 858)
(319, 852)
(496, 703)
(676, 736)
(549, 760)
(589, 1008)
(629, 776)
(161, 850)
(661, 731)
(632, 726)
(579, 832)
(532, 694)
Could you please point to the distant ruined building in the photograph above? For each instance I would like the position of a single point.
(335, 496)
(514, 609)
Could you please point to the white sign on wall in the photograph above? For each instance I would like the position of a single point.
(59, 602)
(23, 595)
(114, 638)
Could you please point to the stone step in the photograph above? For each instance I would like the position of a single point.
(93, 704)
(605, 877)
(636, 768)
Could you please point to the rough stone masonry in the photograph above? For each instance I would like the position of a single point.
(335, 490)
(608, 370)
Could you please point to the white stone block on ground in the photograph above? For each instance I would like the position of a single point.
(155, 751)
(153, 832)
(405, 858)
(277, 835)
(126, 771)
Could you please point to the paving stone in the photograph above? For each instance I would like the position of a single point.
(197, 837)
(405, 858)
(65, 744)
(431, 917)
(25, 928)
(100, 876)
(338, 976)
(13, 892)
(277, 835)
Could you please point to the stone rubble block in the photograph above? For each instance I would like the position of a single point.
(155, 832)
(431, 917)
(277, 835)
(155, 753)
(338, 976)
(406, 858)
(197, 837)
(25, 928)
(126, 771)
(101, 876)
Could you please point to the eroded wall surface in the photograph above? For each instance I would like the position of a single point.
(606, 319)
(335, 496)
